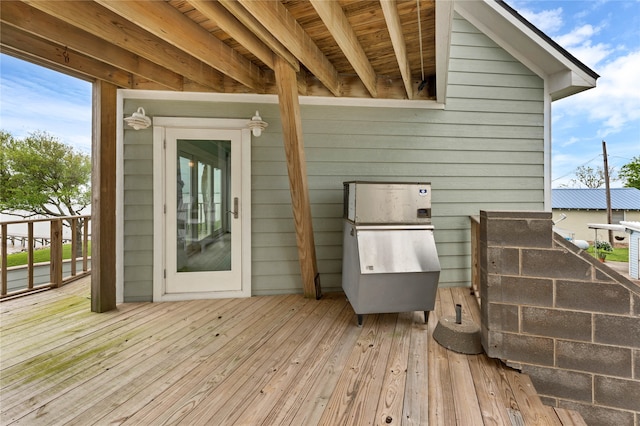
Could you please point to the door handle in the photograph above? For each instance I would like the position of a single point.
(235, 208)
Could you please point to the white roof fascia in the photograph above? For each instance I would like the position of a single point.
(444, 23)
(564, 76)
(564, 83)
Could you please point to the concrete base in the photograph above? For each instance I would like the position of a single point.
(463, 338)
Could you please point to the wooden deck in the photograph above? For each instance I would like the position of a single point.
(258, 361)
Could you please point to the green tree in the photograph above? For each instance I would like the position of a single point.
(630, 173)
(42, 176)
(590, 177)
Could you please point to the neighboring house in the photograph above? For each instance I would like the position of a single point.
(582, 206)
(633, 229)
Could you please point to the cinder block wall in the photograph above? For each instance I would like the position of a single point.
(554, 312)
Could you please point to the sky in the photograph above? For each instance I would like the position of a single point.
(603, 34)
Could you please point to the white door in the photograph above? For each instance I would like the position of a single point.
(204, 210)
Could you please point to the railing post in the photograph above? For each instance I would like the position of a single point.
(30, 255)
(74, 245)
(4, 259)
(56, 253)
(85, 244)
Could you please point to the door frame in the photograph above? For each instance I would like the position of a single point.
(160, 124)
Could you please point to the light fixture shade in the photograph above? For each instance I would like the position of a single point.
(138, 120)
(257, 125)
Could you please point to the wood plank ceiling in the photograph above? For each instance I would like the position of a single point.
(341, 48)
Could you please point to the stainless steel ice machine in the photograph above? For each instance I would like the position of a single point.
(390, 262)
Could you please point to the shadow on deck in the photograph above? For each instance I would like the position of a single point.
(262, 360)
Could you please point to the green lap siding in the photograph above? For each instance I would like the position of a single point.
(483, 151)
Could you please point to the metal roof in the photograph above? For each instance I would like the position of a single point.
(595, 199)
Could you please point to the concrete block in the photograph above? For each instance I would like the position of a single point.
(503, 261)
(594, 297)
(519, 232)
(547, 400)
(617, 330)
(484, 336)
(560, 383)
(595, 415)
(636, 363)
(560, 243)
(519, 348)
(484, 295)
(636, 305)
(503, 317)
(494, 281)
(556, 323)
(618, 393)
(589, 357)
(521, 291)
(554, 264)
(603, 276)
(515, 214)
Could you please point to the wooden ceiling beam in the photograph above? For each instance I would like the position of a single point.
(232, 26)
(109, 26)
(394, 25)
(279, 22)
(338, 25)
(252, 24)
(43, 52)
(166, 22)
(20, 15)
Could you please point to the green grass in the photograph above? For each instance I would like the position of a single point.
(39, 255)
(618, 254)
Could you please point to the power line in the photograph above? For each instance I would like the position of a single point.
(581, 165)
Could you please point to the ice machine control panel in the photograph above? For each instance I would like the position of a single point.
(424, 213)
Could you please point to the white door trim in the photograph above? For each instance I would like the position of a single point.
(160, 124)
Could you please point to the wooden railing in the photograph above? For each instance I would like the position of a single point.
(79, 240)
(475, 256)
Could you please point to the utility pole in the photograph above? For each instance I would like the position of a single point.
(607, 189)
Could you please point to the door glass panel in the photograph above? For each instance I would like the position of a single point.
(203, 228)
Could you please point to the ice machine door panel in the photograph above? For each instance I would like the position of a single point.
(397, 251)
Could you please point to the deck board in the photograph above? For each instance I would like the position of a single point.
(272, 360)
(416, 392)
(390, 404)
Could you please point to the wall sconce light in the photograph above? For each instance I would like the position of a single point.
(138, 120)
(257, 125)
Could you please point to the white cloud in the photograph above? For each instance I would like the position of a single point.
(615, 103)
(570, 142)
(577, 36)
(591, 55)
(549, 21)
(580, 43)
